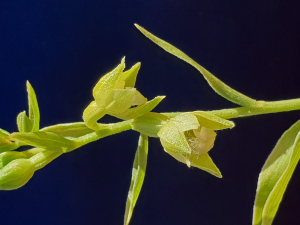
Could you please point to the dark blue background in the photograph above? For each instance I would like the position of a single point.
(63, 47)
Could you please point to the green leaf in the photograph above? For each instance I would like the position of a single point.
(138, 175)
(216, 84)
(139, 110)
(275, 176)
(3, 132)
(46, 140)
(23, 122)
(70, 130)
(34, 112)
(6, 144)
(149, 124)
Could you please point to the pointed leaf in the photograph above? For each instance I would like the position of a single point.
(217, 85)
(275, 176)
(138, 175)
(23, 122)
(46, 140)
(34, 112)
(73, 130)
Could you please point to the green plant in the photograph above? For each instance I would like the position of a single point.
(186, 136)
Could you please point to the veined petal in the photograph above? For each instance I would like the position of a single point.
(212, 121)
(121, 100)
(186, 121)
(129, 76)
(106, 84)
(172, 139)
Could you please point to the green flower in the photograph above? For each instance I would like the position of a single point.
(189, 137)
(115, 94)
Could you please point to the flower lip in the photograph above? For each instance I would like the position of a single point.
(201, 140)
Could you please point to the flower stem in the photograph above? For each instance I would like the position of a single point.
(263, 108)
(110, 129)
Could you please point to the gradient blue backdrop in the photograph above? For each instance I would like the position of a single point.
(63, 47)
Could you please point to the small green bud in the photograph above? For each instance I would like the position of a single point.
(16, 168)
(15, 174)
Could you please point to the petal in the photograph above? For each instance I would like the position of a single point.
(129, 76)
(138, 99)
(212, 121)
(92, 114)
(172, 139)
(186, 121)
(106, 84)
(121, 100)
(140, 110)
(201, 161)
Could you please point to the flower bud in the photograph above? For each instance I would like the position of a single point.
(15, 174)
(115, 95)
(16, 168)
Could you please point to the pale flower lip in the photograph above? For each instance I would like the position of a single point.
(201, 140)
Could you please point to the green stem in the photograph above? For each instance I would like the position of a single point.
(43, 158)
(110, 130)
(264, 108)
